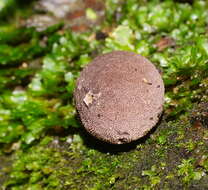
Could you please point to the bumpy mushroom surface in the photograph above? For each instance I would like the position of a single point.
(119, 97)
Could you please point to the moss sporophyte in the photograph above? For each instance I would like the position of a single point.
(43, 144)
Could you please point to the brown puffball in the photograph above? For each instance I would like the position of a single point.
(119, 97)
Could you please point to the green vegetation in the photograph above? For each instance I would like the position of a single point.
(40, 133)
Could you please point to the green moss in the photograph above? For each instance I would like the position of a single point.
(186, 169)
(35, 168)
(39, 128)
(84, 162)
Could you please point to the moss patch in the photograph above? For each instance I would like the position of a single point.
(39, 129)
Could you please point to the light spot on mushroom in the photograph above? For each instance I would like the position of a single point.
(122, 140)
(146, 81)
(79, 87)
(90, 97)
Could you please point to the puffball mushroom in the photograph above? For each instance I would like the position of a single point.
(119, 97)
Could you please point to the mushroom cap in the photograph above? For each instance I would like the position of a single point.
(119, 97)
